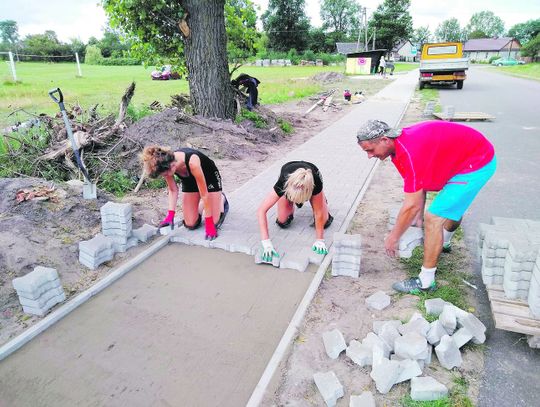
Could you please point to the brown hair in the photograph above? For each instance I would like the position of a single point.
(156, 160)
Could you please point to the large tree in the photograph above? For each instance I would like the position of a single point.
(391, 23)
(525, 32)
(286, 25)
(532, 48)
(190, 31)
(340, 17)
(9, 32)
(485, 23)
(421, 36)
(449, 30)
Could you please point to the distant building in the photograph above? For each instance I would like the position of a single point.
(482, 49)
(404, 51)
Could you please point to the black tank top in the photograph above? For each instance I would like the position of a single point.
(208, 166)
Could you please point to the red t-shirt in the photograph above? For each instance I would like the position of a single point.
(428, 154)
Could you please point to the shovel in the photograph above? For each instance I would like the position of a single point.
(89, 189)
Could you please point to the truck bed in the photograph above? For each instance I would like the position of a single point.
(454, 64)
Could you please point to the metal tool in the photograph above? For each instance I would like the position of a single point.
(89, 188)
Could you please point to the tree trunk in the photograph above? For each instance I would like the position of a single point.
(205, 49)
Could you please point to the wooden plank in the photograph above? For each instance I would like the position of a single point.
(512, 314)
(465, 116)
(513, 310)
(498, 295)
(327, 102)
(513, 324)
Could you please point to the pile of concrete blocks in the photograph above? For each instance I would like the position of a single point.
(117, 235)
(347, 255)
(510, 254)
(411, 239)
(399, 352)
(39, 290)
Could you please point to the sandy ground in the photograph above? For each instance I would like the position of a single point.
(181, 329)
(340, 303)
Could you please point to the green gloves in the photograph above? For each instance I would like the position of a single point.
(268, 250)
(319, 247)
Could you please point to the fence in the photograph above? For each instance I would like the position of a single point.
(12, 61)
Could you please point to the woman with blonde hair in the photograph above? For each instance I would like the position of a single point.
(200, 180)
(299, 182)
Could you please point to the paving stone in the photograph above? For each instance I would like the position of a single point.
(434, 306)
(533, 341)
(329, 387)
(411, 239)
(427, 360)
(347, 258)
(436, 332)
(427, 389)
(345, 269)
(116, 209)
(388, 335)
(533, 297)
(348, 251)
(418, 325)
(334, 343)
(385, 373)
(448, 353)
(474, 326)
(411, 346)
(275, 260)
(145, 232)
(448, 319)
(377, 325)
(346, 240)
(360, 354)
(407, 370)
(461, 337)
(120, 247)
(46, 306)
(42, 301)
(365, 399)
(372, 340)
(378, 301)
(37, 282)
(96, 245)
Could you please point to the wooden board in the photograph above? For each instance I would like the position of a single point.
(512, 315)
(465, 116)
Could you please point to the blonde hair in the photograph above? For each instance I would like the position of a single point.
(299, 185)
(156, 160)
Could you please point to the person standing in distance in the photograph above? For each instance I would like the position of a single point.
(453, 159)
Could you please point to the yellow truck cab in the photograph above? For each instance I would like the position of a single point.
(443, 63)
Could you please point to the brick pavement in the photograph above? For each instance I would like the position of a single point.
(344, 168)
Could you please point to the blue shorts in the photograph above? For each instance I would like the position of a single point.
(459, 192)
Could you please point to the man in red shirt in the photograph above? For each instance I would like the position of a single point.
(453, 159)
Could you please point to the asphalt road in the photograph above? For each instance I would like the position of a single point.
(512, 369)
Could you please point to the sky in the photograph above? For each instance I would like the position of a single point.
(85, 18)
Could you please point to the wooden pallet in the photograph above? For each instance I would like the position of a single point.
(464, 116)
(512, 315)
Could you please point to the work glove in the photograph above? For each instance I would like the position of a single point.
(319, 247)
(210, 228)
(268, 250)
(169, 220)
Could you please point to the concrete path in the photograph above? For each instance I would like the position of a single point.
(344, 167)
(511, 367)
(192, 326)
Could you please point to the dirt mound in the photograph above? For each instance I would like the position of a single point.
(328, 77)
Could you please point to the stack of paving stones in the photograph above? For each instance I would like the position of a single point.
(399, 352)
(117, 235)
(510, 252)
(411, 239)
(39, 290)
(347, 255)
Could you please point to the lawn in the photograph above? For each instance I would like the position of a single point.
(104, 85)
(531, 71)
(405, 66)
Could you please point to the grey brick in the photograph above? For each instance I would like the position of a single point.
(407, 370)
(365, 399)
(46, 306)
(388, 335)
(377, 325)
(334, 343)
(533, 298)
(427, 389)
(448, 319)
(418, 325)
(344, 269)
(96, 245)
(360, 354)
(436, 332)
(371, 340)
(43, 299)
(329, 387)
(448, 353)
(378, 301)
(411, 346)
(461, 337)
(35, 283)
(116, 209)
(474, 326)
(145, 232)
(385, 373)
(434, 306)
(345, 258)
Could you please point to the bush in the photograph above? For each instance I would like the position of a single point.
(494, 58)
(136, 113)
(285, 126)
(119, 61)
(93, 55)
(117, 182)
(257, 120)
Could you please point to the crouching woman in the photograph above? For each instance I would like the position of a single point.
(201, 184)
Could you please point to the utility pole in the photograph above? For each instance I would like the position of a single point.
(359, 30)
(374, 31)
(365, 30)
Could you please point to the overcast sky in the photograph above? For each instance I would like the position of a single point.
(85, 18)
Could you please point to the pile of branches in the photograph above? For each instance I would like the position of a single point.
(47, 152)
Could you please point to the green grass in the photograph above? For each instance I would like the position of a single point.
(429, 95)
(254, 117)
(531, 71)
(405, 66)
(105, 85)
(457, 396)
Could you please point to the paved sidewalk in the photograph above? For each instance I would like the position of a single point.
(344, 168)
